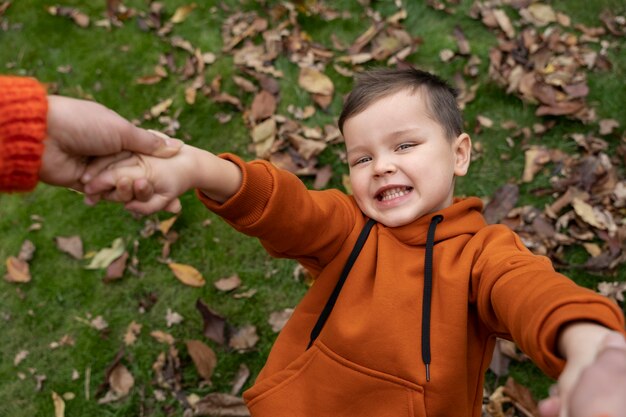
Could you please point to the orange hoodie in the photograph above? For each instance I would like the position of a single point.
(370, 357)
(23, 110)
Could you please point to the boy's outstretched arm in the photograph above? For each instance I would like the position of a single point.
(164, 179)
(595, 369)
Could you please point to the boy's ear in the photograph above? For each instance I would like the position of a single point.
(462, 149)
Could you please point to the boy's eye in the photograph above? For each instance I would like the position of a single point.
(405, 146)
(361, 160)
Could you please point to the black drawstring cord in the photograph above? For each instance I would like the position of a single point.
(317, 329)
(428, 287)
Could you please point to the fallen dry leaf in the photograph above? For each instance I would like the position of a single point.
(106, 256)
(228, 284)
(187, 274)
(59, 405)
(263, 106)
(27, 251)
(501, 203)
(182, 12)
(203, 357)
(120, 382)
(245, 338)
(214, 325)
(161, 107)
(220, 404)
(278, 319)
(72, 245)
(315, 81)
(163, 337)
(17, 271)
(165, 225)
(132, 331)
(116, 269)
(242, 375)
(172, 318)
(21, 355)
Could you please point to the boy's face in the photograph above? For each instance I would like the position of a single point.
(402, 165)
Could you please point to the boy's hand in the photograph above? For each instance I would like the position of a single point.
(143, 183)
(80, 129)
(595, 390)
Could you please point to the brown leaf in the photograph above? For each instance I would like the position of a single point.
(522, 397)
(214, 324)
(244, 338)
(72, 245)
(172, 318)
(278, 319)
(536, 158)
(17, 270)
(607, 126)
(203, 357)
(504, 22)
(121, 380)
(163, 337)
(263, 106)
(315, 81)
(242, 375)
(220, 404)
(461, 41)
(502, 202)
(187, 274)
(26, 251)
(228, 283)
(117, 268)
(132, 331)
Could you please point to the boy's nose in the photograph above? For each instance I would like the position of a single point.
(384, 167)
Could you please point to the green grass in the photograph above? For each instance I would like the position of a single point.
(105, 64)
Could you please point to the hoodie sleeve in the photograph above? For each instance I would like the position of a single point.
(520, 296)
(23, 112)
(290, 220)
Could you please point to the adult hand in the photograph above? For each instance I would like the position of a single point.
(80, 129)
(601, 389)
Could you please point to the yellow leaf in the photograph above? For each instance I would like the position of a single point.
(157, 109)
(187, 274)
(17, 270)
(59, 405)
(163, 337)
(121, 380)
(106, 256)
(315, 81)
(166, 225)
(182, 12)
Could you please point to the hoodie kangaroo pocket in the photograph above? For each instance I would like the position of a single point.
(321, 383)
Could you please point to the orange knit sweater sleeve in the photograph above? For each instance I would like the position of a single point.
(23, 110)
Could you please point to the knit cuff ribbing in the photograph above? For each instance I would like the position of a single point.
(23, 122)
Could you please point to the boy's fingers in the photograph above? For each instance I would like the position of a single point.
(123, 190)
(143, 189)
(150, 142)
(101, 164)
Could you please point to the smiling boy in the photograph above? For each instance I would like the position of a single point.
(412, 286)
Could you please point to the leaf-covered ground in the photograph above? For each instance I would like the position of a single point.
(103, 313)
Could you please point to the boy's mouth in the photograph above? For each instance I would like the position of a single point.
(393, 192)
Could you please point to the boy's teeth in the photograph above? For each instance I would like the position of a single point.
(393, 193)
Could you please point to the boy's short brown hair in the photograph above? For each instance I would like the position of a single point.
(378, 83)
